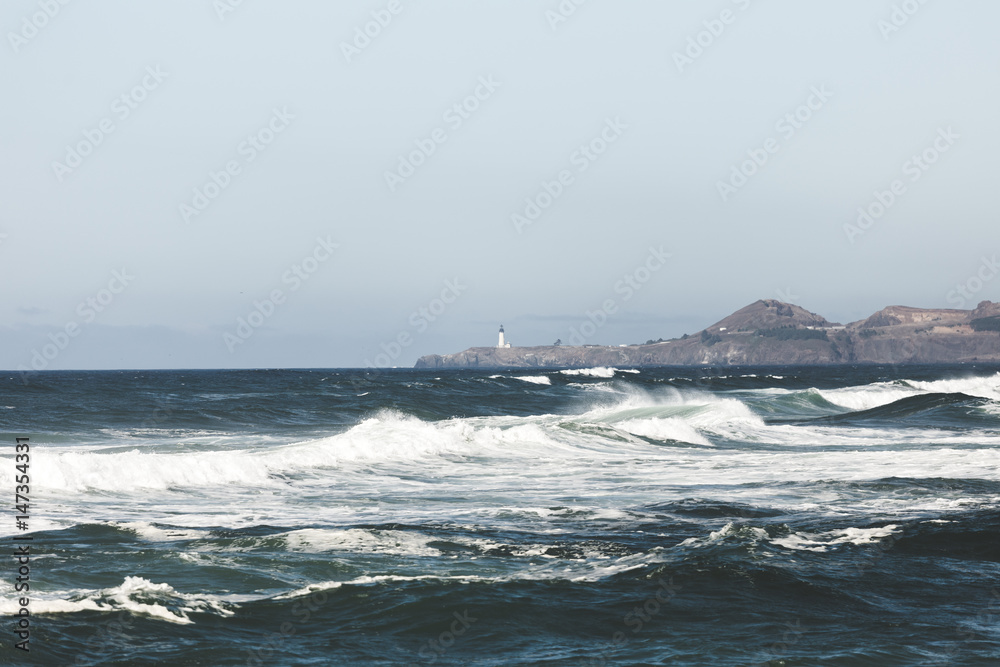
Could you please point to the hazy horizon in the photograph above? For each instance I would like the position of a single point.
(239, 185)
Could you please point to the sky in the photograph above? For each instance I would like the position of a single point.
(306, 184)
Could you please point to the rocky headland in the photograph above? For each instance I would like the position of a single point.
(771, 333)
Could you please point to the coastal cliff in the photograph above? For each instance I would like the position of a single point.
(770, 333)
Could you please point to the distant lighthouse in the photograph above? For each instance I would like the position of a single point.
(501, 342)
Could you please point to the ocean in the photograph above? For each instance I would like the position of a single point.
(654, 516)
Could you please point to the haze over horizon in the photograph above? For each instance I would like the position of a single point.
(243, 185)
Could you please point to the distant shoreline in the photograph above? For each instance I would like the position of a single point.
(773, 333)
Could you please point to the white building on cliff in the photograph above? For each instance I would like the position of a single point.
(501, 342)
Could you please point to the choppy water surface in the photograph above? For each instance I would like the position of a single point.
(601, 516)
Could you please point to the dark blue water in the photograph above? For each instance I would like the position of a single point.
(733, 516)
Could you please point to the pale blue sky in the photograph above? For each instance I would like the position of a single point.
(202, 86)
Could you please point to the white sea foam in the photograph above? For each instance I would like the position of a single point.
(78, 471)
(877, 394)
(554, 444)
(136, 595)
(514, 550)
(821, 542)
(868, 396)
(554, 570)
(730, 530)
(602, 387)
(396, 542)
(983, 387)
(534, 379)
(366, 580)
(599, 372)
(151, 533)
(818, 542)
(683, 416)
(664, 429)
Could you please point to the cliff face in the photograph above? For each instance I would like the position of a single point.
(769, 333)
(902, 315)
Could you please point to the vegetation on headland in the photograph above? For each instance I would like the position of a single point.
(986, 324)
(791, 333)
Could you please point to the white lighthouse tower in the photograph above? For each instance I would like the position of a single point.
(501, 342)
